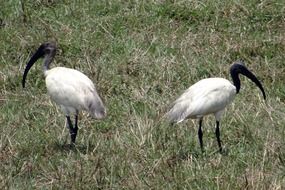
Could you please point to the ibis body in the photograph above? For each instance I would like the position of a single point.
(210, 96)
(70, 89)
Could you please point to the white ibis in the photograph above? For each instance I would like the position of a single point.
(210, 96)
(70, 89)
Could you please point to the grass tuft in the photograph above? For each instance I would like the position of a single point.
(141, 56)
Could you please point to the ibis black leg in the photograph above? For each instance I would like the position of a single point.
(75, 129)
(72, 130)
(218, 135)
(69, 124)
(200, 135)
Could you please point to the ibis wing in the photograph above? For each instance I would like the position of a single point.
(204, 97)
(70, 88)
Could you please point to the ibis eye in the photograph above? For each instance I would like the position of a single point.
(47, 51)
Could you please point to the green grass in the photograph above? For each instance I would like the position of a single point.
(142, 55)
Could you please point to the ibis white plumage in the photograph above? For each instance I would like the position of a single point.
(70, 89)
(210, 96)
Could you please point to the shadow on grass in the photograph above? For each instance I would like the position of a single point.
(182, 156)
(76, 148)
(193, 155)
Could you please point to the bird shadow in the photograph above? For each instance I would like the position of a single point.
(193, 155)
(223, 152)
(182, 156)
(76, 148)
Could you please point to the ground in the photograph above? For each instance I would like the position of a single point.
(141, 56)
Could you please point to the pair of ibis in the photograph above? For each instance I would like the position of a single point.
(74, 91)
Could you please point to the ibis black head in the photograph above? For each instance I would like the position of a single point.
(46, 50)
(239, 68)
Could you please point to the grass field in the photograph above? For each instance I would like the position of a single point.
(142, 55)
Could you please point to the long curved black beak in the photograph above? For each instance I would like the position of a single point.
(239, 68)
(39, 53)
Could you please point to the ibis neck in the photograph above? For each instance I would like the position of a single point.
(47, 60)
(236, 80)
